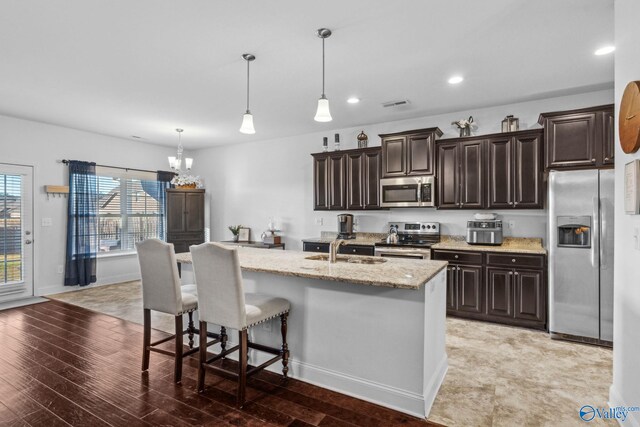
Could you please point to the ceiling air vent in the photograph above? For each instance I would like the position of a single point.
(395, 103)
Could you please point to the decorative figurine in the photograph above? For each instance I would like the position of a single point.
(464, 125)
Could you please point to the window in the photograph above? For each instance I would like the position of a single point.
(10, 229)
(130, 209)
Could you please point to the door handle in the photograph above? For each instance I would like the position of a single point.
(28, 242)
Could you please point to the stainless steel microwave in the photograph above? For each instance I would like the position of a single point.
(407, 192)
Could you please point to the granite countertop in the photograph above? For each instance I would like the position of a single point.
(519, 245)
(394, 273)
(364, 239)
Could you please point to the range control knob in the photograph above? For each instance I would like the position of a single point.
(424, 226)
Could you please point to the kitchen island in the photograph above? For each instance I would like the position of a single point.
(368, 327)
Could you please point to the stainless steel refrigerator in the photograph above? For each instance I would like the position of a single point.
(581, 255)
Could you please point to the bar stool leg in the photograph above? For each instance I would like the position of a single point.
(177, 373)
(202, 355)
(146, 339)
(223, 339)
(242, 368)
(190, 329)
(285, 346)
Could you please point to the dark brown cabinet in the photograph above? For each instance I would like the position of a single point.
(409, 153)
(469, 288)
(608, 138)
(337, 182)
(320, 182)
(496, 287)
(461, 176)
(363, 180)
(185, 218)
(580, 138)
(347, 180)
(464, 281)
(515, 170)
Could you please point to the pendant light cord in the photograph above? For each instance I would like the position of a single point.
(323, 67)
(248, 86)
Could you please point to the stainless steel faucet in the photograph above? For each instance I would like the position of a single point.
(333, 249)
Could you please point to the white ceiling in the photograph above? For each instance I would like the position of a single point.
(145, 67)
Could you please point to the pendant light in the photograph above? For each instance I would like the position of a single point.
(247, 118)
(175, 163)
(322, 113)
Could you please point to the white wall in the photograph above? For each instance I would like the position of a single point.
(40, 145)
(626, 322)
(248, 183)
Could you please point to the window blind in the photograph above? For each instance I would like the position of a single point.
(11, 254)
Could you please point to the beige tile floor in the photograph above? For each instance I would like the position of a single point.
(498, 375)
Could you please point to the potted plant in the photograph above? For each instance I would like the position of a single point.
(235, 230)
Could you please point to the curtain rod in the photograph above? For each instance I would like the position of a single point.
(66, 162)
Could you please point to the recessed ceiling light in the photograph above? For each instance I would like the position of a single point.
(605, 50)
(353, 100)
(455, 80)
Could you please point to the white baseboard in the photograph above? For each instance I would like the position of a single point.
(615, 400)
(431, 389)
(57, 289)
(380, 394)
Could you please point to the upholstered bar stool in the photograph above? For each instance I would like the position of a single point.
(222, 301)
(162, 291)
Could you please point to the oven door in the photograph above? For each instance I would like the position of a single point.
(400, 192)
(410, 253)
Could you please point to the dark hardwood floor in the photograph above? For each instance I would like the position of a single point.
(64, 365)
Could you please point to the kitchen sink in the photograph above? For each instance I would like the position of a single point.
(349, 259)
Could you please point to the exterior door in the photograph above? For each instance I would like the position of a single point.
(16, 226)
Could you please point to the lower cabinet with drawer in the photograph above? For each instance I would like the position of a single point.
(368, 250)
(496, 287)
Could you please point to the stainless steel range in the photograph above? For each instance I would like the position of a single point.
(414, 240)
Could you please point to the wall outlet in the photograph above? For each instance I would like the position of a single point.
(47, 222)
(636, 239)
(319, 221)
(60, 269)
(511, 225)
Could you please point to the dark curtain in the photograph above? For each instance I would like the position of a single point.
(82, 224)
(157, 190)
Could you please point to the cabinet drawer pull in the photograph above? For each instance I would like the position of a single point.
(354, 251)
(593, 160)
(456, 256)
(511, 273)
(317, 248)
(511, 203)
(606, 159)
(516, 273)
(513, 260)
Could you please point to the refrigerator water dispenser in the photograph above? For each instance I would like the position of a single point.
(574, 232)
